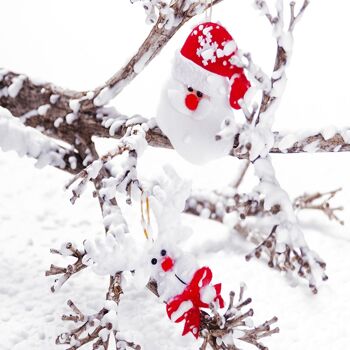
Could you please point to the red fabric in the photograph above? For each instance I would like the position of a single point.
(239, 88)
(201, 279)
(222, 66)
(191, 102)
(167, 264)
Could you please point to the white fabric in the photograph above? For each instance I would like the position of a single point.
(192, 134)
(198, 78)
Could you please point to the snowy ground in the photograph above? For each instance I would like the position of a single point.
(36, 215)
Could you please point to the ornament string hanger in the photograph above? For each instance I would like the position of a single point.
(209, 10)
(146, 216)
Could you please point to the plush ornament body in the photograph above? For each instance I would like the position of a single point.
(185, 288)
(205, 87)
(172, 269)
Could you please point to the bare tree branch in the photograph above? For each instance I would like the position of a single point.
(241, 174)
(219, 331)
(292, 143)
(66, 272)
(153, 44)
(98, 328)
(294, 18)
(320, 201)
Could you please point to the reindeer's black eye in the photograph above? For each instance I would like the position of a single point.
(163, 252)
(154, 261)
(190, 89)
(199, 94)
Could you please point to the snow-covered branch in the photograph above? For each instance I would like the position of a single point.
(330, 139)
(285, 245)
(284, 39)
(168, 17)
(118, 253)
(100, 328)
(67, 249)
(53, 110)
(320, 201)
(107, 122)
(222, 330)
(242, 212)
(26, 141)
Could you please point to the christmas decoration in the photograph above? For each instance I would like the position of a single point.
(198, 294)
(206, 86)
(185, 296)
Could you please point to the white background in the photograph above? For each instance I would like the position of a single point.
(79, 44)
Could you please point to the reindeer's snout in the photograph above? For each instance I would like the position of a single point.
(167, 264)
(166, 261)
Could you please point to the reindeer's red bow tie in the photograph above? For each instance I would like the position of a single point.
(186, 306)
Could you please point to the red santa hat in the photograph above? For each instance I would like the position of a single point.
(206, 62)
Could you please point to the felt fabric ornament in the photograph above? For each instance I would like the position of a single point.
(184, 287)
(172, 269)
(205, 88)
(198, 294)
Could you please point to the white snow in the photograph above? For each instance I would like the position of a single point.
(140, 65)
(58, 122)
(286, 41)
(71, 117)
(287, 141)
(74, 105)
(72, 162)
(113, 253)
(107, 93)
(279, 86)
(3, 72)
(312, 147)
(29, 114)
(329, 132)
(27, 141)
(54, 98)
(42, 110)
(16, 86)
(208, 294)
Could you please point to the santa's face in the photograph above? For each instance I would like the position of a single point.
(191, 118)
(188, 101)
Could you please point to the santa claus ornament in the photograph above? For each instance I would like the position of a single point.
(205, 88)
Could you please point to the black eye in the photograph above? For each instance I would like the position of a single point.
(190, 89)
(163, 252)
(199, 94)
(154, 261)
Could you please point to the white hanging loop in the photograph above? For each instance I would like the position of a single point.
(209, 11)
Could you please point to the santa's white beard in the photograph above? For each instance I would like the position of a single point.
(192, 134)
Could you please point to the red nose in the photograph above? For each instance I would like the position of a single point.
(191, 102)
(167, 264)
